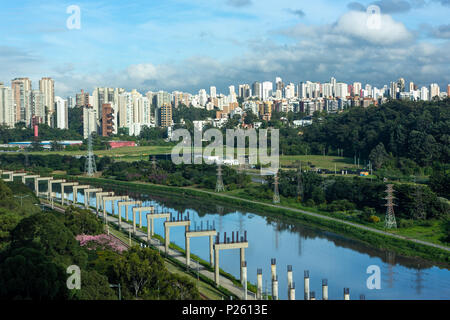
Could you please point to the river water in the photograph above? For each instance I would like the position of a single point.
(342, 261)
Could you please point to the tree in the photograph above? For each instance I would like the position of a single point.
(378, 155)
(26, 273)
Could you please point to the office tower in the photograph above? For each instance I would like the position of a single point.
(434, 90)
(89, 121)
(38, 111)
(411, 87)
(164, 116)
(203, 98)
(21, 88)
(357, 88)
(448, 90)
(62, 113)
(267, 88)
(257, 89)
(232, 90)
(7, 106)
(82, 99)
(108, 119)
(47, 88)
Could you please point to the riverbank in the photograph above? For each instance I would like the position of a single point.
(373, 237)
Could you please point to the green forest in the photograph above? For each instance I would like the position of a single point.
(37, 246)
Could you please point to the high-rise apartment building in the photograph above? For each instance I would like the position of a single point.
(37, 110)
(434, 90)
(89, 121)
(108, 119)
(357, 86)
(47, 88)
(257, 89)
(7, 106)
(212, 92)
(62, 113)
(82, 99)
(267, 89)
(164, 115)
(21, 88)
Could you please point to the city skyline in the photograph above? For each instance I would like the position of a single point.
(180, 45)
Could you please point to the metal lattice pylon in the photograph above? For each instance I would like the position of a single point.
(219, 185)
(390, 222)
(276, 193)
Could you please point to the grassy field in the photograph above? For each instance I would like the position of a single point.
(323, 162)
(123, 152)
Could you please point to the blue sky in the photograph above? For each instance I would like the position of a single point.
(189, 45)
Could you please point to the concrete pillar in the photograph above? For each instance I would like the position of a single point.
(306, 279)
(188, 251)
(148, 228)
(140, 219)
(244, 278)
(134, 222)
(36, 186)
(167, 238)
(289, 279)
(273, 268)
(216, 266)
(324, 289)
(211, 250)
(292, 292)
(259, 284)
(126, 212)
(275, 288)
(152, 227)
(346, 294)
(242, 260)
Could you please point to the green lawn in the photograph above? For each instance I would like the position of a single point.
(323, 162)
(116, 153)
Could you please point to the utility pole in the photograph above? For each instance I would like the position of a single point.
(21, 199)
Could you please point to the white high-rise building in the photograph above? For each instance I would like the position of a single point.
(424, 96)
(202, 97)
(62, 113)
(47, 88)
(267, 88)
(89, 121)
(434, 90)
(213, 92)
(37, 101)
(7, 106)
(232, 90)
(327, 90)
(357, 88)
(289, 91)
(341, 90)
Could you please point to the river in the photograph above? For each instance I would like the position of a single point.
(342, 261)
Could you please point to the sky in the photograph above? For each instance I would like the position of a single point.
(192, 45)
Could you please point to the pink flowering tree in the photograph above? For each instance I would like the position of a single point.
(101, 242)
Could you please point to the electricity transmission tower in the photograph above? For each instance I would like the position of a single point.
(390, 221)
(219, 185)
(276, 193)
(90, 167)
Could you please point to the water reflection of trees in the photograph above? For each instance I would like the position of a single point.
(207, 206)
(309, 232)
